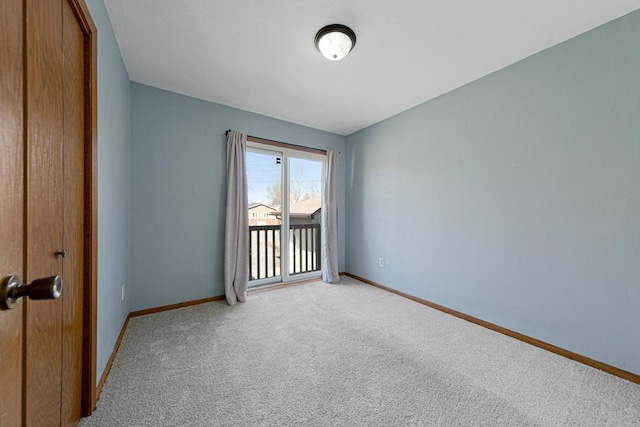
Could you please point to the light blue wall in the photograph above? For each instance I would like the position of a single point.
(178, 191)
(516, 198)
(114, 176)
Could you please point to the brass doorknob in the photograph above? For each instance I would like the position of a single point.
(11, 290)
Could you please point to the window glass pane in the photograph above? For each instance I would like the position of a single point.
(264, 181)
(305, 207)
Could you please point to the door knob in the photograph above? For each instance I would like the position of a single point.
(11, 290)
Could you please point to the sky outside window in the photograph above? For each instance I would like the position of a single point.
(264, 178)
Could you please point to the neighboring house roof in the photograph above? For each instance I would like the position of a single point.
(255, 205)
(304, 209)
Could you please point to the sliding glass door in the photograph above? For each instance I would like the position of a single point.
(285, 206)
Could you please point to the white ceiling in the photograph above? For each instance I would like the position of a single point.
(259, 56)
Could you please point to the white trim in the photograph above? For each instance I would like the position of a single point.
(304, 276)
(265, 282)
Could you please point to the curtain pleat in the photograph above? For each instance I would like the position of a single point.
(330, 273)
(236, 241)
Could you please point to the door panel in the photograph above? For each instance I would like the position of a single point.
(11, 204)
(43, 120)
(264, 179)
(305, 207)
(73, 170)
(44, 209)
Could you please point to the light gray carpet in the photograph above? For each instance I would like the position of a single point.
(346, 355)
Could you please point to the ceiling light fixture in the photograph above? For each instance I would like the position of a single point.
(335, 41)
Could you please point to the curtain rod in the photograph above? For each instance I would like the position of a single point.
(283, 144)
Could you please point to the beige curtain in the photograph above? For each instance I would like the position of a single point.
(330, 272)
(236, 241)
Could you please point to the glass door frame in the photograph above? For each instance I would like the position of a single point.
(269, 151)
(285, 155)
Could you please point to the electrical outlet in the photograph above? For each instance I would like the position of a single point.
(380, 262)
(123, 285)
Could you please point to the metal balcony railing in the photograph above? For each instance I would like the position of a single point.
(265, 250)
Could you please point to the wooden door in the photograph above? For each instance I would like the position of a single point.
(11, 203)
(48, 218)
(73, 223)
(44, 209)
